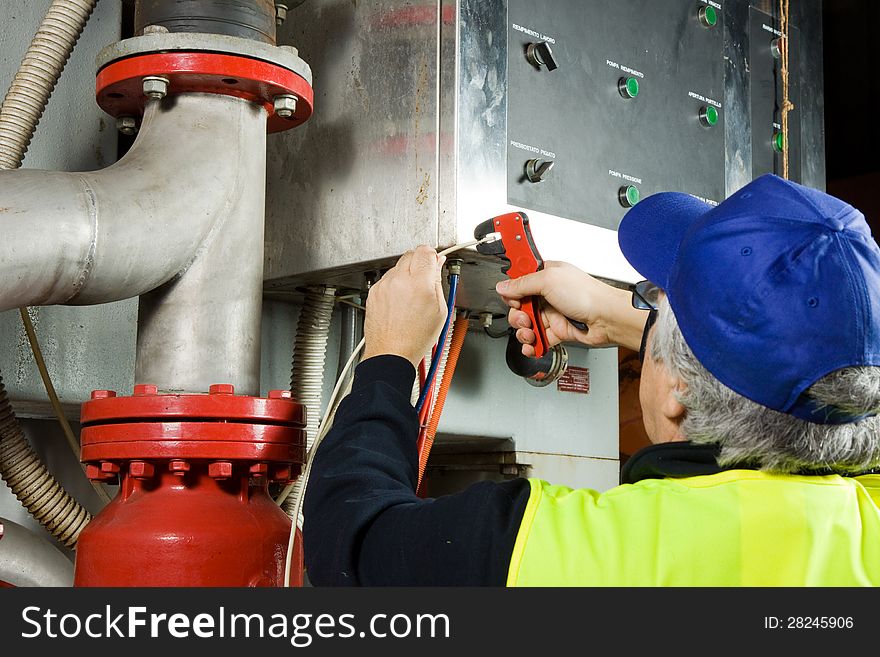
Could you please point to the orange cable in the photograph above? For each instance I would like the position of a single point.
(459, 331)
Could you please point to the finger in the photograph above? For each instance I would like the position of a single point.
(513, 303)
(528, 350)
(518, 319)
(424, 259)
(524, 286)
(404, 261)
(525, 336)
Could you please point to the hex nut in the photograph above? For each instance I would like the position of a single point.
(280, 14)
(155, 86)
(282, 473)
(109, 468)
(179, 468)
(94, 473)
(220, 470)
(221, 389)
(141, 470)
(127, 125)
(285, 105)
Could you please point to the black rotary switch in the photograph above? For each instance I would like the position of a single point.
(539, 54)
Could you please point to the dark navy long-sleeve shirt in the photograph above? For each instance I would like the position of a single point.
(364, 524)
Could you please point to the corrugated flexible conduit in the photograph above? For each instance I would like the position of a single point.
(20, 467)
(307, 372)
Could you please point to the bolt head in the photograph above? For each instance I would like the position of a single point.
(179, 468)
(102, 394)
(145, 389)
(127, 125)
(259, 469)
(280, 14)
(109, 468)
(141, 470)
(93, 472)
(155, 86)
(281, 473)
(486, 320)
(220, 470)
(285, 106)
(222, 389)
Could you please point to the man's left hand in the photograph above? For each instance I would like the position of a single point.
(406, 309)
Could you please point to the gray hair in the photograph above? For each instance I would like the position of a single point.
(749, 433)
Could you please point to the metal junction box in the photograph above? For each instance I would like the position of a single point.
(429, 117)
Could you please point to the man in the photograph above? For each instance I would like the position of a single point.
(760, 388)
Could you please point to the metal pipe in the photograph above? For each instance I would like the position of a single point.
(87, 238)
(249, 19)
(350, 334)
(203, 327)
(21, 469)
(28, 560)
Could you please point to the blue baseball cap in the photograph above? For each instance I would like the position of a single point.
(773, 289)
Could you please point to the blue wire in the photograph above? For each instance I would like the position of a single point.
(438, 354)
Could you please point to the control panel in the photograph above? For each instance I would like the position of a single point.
(611, 101)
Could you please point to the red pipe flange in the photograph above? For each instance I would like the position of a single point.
(220, 426)
(119, 85)
(193, 506)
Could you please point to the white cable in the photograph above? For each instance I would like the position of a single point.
(327, 422)
(466, 245)
(323, 428)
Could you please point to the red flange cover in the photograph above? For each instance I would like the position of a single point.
(219, 425)
(119, 86)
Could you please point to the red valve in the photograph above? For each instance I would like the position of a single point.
(193, 507)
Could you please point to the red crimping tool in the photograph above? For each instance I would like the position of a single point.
(517, 247)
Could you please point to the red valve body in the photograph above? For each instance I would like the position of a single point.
(193, 507)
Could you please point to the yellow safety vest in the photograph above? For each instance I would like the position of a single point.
(734, 528)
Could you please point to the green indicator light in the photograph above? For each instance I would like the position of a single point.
(709, 16)
(709, 116)
(628, 195)
(779, 142)
(628, 87)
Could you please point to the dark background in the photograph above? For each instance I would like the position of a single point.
(852, 57)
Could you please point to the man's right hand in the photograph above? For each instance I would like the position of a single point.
(569, 292)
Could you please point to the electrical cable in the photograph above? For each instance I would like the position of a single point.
(350, 303)
(435, 361)
(459, 332)
(496, 336)
(327, 423)
(72, 440)
(323, 428)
